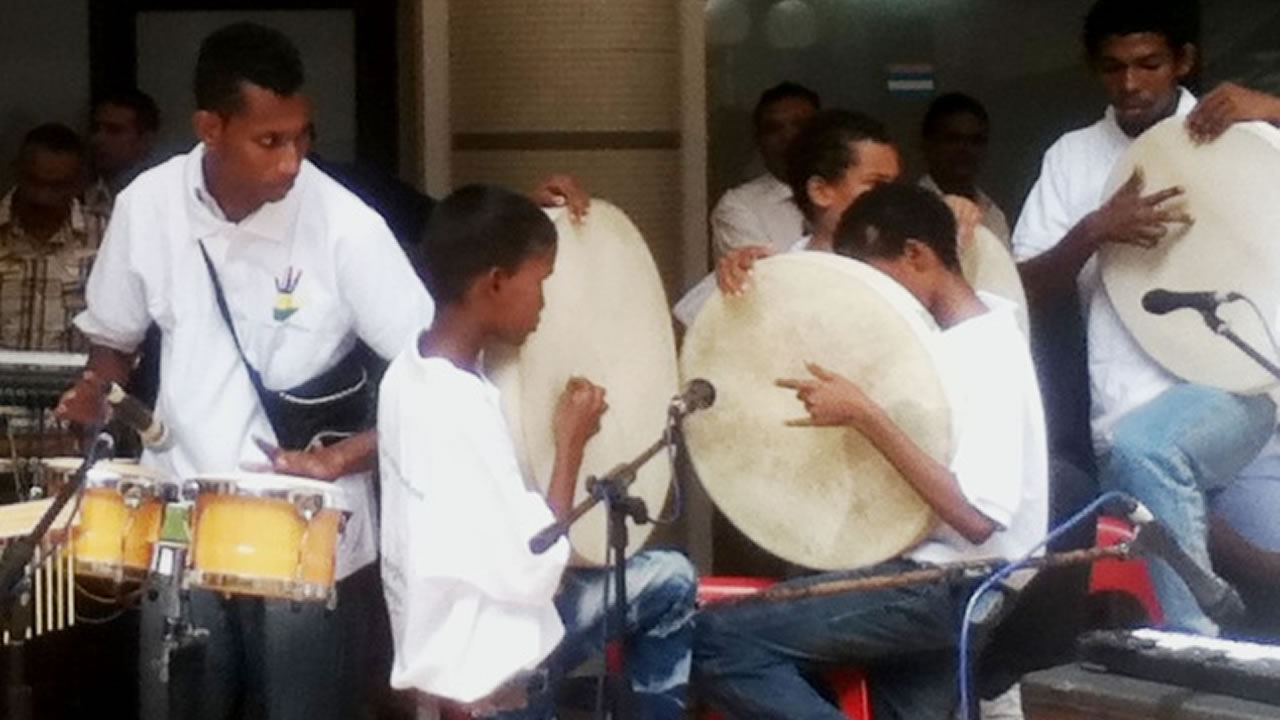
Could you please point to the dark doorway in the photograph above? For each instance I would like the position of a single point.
(371, 132)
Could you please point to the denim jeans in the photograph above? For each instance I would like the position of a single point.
(268, 659)
(755, 661)
(1170, 452)
(661, 586)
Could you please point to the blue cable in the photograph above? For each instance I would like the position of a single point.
(1004, 572)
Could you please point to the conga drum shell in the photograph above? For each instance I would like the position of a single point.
(605, 319)
(266, 535)
(1230, 187)
(819, 497)
(120, 512)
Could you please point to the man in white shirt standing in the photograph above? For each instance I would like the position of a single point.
(992, 498)
(760, 212)
(954, 136)
(1164, 441)
(306, 270)
(477, 617)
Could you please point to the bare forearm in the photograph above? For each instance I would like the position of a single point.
(931, 479)
(358, 453)
(1051, 275)
(109, 365)
(564, 480)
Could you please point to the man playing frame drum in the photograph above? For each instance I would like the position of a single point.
(1165, 441)
(991, 498)
(477, 618)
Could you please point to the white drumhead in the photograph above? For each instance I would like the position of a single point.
(987, 264)
(605, 319)
(1234, 245)
(105, 470)
(819, 497)
(259, 484)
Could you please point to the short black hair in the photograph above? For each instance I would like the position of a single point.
(244, 53)
(56, 137)
(475, 228)
(783, 91)
(822, 149)
(946, 105)
(1177, 20)
(145, 110)
(879, 223)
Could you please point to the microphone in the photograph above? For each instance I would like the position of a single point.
(130, 411)
(1160, 301)
(698, 394)
(1215, 597)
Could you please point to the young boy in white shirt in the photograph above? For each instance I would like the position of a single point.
(991, 499)
(477, 618)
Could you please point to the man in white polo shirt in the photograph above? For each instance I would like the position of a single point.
(306, 270)
(760, 212)
(1164, 441)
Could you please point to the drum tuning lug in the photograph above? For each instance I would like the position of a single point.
(133, 497)
(308, 505)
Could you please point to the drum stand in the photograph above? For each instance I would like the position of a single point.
(15, 581)
(166, 586)
(611, 489)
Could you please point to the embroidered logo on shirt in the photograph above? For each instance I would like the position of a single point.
(285, 305)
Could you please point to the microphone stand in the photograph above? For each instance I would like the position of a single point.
(1223, 328)
(612, 490)
(15, 580)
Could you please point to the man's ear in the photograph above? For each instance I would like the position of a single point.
(919, 255)
(208, 127)
(1185, 61)
(820, 194)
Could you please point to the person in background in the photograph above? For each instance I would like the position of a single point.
(122, 133)
(47, 243)
(954, 138)
(761, 212)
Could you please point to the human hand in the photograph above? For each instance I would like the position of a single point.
(733, 272)
(830, 399)
(577, 414)
(85, 402)
(321, 463)
(563, 191)
(968, 215)
(1226, 105)
(1129, 217)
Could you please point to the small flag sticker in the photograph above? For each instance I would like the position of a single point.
(911, 78)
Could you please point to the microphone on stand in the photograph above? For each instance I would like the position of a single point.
(130, 411)
(1215, 597)
(1160, 301)
(698, 395)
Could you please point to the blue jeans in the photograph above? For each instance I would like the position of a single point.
(1170, 452)
(661, 587)
(755, 661)
(268, 659)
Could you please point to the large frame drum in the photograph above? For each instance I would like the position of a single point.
(606, 319)
(819, 497)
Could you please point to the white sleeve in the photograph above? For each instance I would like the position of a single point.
(388, 300)
(990, 459)
(116, 313)
(1045, 217)
(472, 517)
(735, 225)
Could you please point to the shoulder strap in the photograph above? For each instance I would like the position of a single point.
(254, 376)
